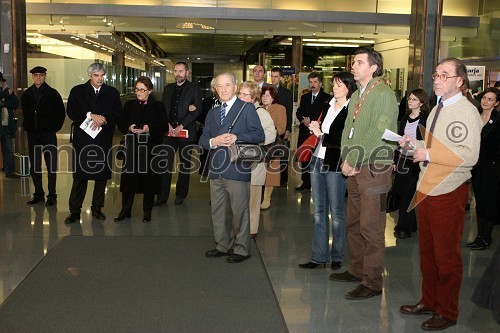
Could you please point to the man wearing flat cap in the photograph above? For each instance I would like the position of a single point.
(43, 113)
(8, 103)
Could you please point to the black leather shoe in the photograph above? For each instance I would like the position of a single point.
(236, 258)
(159, 202)
(417, 309)
(402, 234)
(344, 277)
(336, 265)
(12, 175)
(98, 214)
(73, 218)
(35, 200)
(302, 188)
(474, 242)
(121, 217)
(178, 200)
(481, 244)
(50, 202)
(146, 218)
(310, 265)
(437, 323)
(216, 253)
(362, 292)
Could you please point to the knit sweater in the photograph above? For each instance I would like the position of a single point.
(378, 112)
(454, 149)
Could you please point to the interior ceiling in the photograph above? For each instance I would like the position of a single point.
(224, 33)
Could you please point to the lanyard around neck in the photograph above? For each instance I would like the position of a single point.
(360, 104)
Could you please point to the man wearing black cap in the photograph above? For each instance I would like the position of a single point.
(43, 113)
(8, 103)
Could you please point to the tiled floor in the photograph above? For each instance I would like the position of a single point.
(309, 300)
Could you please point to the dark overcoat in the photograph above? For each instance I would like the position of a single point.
(92, 157)
(141, 167)
(311, 110)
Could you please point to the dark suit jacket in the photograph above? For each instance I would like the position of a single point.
(313, 111)
(190, 95)
(247, 128)
(286, 99)
(81, 100)
(332, 141)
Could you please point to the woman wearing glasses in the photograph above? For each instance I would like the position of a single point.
(406, 177)
(145, 124)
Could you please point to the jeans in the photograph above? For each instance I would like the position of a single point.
(328, 193)
(8, 156)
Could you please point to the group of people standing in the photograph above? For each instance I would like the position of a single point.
(433, 166)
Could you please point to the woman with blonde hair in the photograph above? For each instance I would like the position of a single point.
(249, 92)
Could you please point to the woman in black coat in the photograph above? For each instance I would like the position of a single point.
(145, 123)
(486, 173)
(406, 177)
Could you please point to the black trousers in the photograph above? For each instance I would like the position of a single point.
(184, 167)
(45, 143)
(128, 201)
(405, 185)
(78, 191)
(485, 184)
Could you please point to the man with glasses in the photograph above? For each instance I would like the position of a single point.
(447, 154)
(184, 104)
(43, 115)
(94, 108)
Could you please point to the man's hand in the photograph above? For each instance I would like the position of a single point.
(225, 140)
(420, 155)
(98, 121)
(170, 130)
(192, 108)
(348, 170)
(286, 135)
(178, 129)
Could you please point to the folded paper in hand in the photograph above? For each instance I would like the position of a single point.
(86, 126)
(183, 134)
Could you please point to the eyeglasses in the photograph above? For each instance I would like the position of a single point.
(140, 90)
(442, 77)
(245, 95)
(39, 74)
(413, 100)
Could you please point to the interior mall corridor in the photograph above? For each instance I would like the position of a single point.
(309, 301)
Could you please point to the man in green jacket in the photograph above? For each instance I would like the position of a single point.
(366, 161)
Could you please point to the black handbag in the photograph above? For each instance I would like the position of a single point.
(278, 150)
(244, 152)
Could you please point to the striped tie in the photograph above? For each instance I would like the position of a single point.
(222, 113)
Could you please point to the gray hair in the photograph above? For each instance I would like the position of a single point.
(96, 67)
(233, 79)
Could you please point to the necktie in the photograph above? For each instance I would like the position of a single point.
(314, 98)
(223, 112)
(431, 129)
(96, 93)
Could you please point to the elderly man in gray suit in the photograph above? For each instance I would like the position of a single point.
(230, 182)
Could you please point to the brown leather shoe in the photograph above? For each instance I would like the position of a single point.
(437, 323)
(344, 277)
(416, 309)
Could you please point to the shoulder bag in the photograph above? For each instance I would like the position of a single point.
(244, 152)
(305, 151)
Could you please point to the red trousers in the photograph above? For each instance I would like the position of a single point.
(440, 228)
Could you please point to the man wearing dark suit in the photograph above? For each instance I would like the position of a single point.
(43, 114)
(312, 105)
(259, 76)
(230, 182)
(100, 103)
(284, 98)
(183, 102)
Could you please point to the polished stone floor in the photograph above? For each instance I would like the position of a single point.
(310, 302)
